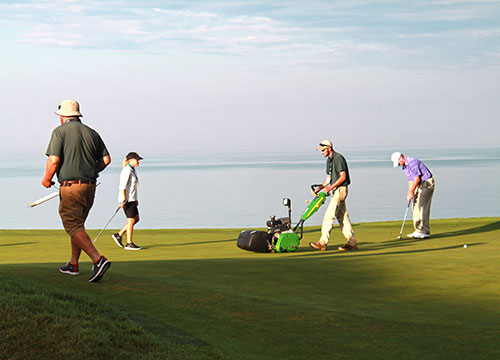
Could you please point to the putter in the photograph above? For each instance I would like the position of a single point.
(402, 227)
(100, 232)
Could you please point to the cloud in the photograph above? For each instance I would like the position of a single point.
(292, 30)
(180, 14)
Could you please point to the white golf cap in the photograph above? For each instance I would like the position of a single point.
(395, 158)
(69, 108)
(325, 144)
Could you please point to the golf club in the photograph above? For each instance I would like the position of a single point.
(44, 199)
(48, 197)
(402, 227)
(100, 232)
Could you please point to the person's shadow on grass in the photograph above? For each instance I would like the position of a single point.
(363, 251)
(476, 230)
(21, 243)
(395, 243)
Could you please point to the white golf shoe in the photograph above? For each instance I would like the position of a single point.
(418, 235)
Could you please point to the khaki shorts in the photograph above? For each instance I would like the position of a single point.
(75, 202)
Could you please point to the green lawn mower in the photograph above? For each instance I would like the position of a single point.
(280, 237)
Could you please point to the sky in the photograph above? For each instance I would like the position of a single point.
(164, 76)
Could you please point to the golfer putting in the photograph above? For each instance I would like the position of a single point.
(337, 181)
(76, 153)
(420, 190)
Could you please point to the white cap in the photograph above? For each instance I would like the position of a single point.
(395, 158)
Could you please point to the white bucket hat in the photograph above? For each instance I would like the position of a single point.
(395, 158)
(325, 144)
(69, 108)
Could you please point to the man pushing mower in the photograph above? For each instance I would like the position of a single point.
(337, 181)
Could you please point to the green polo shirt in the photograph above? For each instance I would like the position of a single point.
(335, 166)
(79, 149)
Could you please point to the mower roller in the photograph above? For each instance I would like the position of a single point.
(281, 237)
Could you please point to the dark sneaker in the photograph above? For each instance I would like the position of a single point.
(99, 268)
(118, 239)
(317, 245)
(132, 246)
(70, 269)
(347, 247)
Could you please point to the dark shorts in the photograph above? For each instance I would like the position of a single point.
(131, 210)
(75, 202)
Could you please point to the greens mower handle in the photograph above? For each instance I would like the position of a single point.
(315, 186)
(314, 205)
(319, 199)
(300, 225)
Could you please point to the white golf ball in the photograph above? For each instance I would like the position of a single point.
(465, 246)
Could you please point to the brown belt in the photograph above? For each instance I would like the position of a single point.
(72, 182)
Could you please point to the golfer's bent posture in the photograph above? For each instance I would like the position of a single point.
(420, 189)
(77, 154)
(337, 181)
(127, 197)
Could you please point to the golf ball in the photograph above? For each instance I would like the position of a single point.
(465, 246)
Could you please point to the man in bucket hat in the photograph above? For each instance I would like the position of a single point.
(76, 153)
(337, 181)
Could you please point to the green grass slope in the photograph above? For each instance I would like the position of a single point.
(192, 294)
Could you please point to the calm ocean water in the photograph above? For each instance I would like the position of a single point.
(242, 189)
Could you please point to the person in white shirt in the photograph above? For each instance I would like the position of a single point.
(127, 198)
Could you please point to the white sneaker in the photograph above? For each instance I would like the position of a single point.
(412, 234)
(417, 235)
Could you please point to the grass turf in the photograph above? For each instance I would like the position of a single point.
(192, 294)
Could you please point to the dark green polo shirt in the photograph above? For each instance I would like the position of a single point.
(335, 166)
(79, 148)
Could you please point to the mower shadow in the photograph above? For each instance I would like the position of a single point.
(188, 243)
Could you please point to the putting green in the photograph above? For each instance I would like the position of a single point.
(406, 298)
